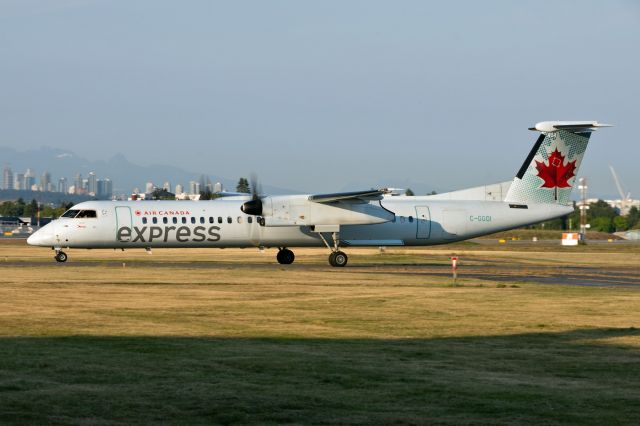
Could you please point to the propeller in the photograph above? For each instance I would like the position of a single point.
(254, 206)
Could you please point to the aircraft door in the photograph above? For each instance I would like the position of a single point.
(423, 217)
(123, 219)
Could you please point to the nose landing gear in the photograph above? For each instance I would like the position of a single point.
(60, 256)
(285, 256)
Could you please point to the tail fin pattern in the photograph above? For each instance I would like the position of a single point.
(549, 171)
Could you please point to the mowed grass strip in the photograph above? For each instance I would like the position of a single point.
(256, 342)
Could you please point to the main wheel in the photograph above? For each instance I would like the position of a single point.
(61, 257)
(285, 257)
(338, 259)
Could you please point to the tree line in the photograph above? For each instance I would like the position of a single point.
(600, 216)
(19, 208)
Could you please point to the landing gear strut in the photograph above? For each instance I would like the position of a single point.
(60, 256)
(336, 258)
(285, 256)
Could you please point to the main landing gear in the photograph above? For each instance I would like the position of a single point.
(337, 258)
(60, 256)
(285, 256)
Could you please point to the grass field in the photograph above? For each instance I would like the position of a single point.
(229, 336)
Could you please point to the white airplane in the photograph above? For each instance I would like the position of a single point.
(540, 191)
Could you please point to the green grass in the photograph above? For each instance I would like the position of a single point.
(534, 378)
(229, 337)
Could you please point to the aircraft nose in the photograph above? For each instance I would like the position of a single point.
(42, 237)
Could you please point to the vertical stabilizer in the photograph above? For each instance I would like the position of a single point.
(549, 171)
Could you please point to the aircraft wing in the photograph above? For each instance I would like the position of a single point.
(231, 194)
(371, 194)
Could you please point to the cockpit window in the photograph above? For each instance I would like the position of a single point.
(70, 213)
(86, 213)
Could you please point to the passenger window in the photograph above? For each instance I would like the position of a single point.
(86, 214)
(165, 220)
(184, 219)
(201, 219)
(410, 219)
(155, 220)
(144, 220)
(211, 219)
(175, 220)
(239, 219)
(70, 213)
(250, 219)
(219, 219)
(401, 219)
(193, 219)
(229, 219)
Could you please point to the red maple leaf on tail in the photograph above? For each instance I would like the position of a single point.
(555, 173)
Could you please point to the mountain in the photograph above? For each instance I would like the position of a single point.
(124, 174)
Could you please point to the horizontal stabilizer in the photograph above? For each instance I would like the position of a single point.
(570, 126)
(371, 194)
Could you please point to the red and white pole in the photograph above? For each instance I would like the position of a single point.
(454, 267)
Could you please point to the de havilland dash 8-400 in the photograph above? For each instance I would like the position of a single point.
(540, 191)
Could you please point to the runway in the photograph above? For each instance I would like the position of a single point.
(597, 276)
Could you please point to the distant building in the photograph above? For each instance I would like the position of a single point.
(104, 189)
(62, 185)
(149, 188)
(45, 182)
(194, 187)
(77, 184)
(217, 187)
(30, 181)
(622, 206)
(92, 184)
(167, 186)
(7, 178)
(19, 181)
(179, 189)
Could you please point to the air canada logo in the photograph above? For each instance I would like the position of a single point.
(555, 173)
(138, 212)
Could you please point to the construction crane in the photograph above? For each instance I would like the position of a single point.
(625, 200)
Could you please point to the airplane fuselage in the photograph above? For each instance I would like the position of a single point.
(413, 221)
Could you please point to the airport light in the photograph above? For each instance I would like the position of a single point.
(583, 206)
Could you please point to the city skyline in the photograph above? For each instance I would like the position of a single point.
(27, 181)
(91, 185)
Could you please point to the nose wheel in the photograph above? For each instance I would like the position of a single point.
(60, 256)
(285, 256)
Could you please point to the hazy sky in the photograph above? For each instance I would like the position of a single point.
(318, 95)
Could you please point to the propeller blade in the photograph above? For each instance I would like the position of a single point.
(253, 183)
(254, 206)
